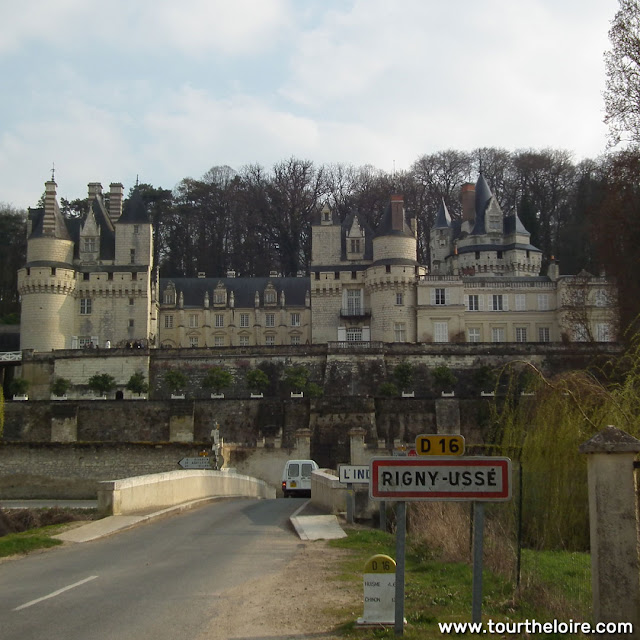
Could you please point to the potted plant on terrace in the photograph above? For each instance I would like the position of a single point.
(101, 384)
(176, 381)
(296, 379)
(444, 380)
(257, 381)
(403, 376)
(137, 384)
(217, 379)
(59, 388)
(18, 388)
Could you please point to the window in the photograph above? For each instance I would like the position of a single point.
(497, 304)
(441, 332)
(295, 319)
(270, 320)
(169, 295)
(193, 341)
(521, 334)
(131, 302)
(473, 302)
(354, 275)
(387, 268)
(270, 340)
(477, 255)
(354, 297)
(473, 334)
(399, 298)
(497, 334)
(134, 275)
(244, 320)
(193, 320)
(316, 276)
(219, 297)
(295, 339)
(218, 341)
(400, 332)
(601, 298)
(336, 275)
(219, 320)
(543, 302)
(110, 275)
(84, 342)
(244, 341)
(131, 323)
(499, 255)
(580, 333)
(168, 322)
(90, 244)
(603, 332)
(132, 256)
(521, 304)
(544, 334)
(85, 276)
(441, 296)
(270, 295)
(136, 229)
(354, 334)
(355, 245)
(85, 306)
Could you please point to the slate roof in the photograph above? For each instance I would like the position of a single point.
(244, 290)
(483, 196)
(443, 219)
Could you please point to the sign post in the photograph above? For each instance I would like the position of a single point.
(424, 478)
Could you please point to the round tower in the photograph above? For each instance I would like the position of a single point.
(391, 279)
(47, 282)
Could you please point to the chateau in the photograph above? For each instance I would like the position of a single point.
(91, 283)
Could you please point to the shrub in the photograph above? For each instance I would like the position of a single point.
(60, 386)
(175, 380)
(314, 390)
(403, 376)
(388, 389)
(217, 379)
(296, 378)
(257, 380)
(18, 386)
(102, 383)
(443, 377)
(137, 383)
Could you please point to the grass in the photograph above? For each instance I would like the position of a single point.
(31, 540)
(438, 591)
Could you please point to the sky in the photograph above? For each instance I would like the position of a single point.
(166, 89)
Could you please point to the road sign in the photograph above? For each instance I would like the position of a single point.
(474, 478)
(439, 445)
(195, 463)
(353, 473)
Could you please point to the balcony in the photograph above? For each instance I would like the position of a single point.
(355, 312)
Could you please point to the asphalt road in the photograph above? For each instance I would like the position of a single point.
(159, 580)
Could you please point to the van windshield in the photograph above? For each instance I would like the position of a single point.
(306, 471)
(294, 470)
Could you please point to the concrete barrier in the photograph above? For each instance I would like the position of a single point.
(327, 492)
(160, 490)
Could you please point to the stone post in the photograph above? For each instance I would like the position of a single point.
(303, 444)
(448, 415)
(613, 518)
(356, 439)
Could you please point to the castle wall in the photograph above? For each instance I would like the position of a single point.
(49, 250)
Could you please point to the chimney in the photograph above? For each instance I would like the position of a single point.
(202, 274)
(49, 220)
(95, 190)
(116, 194)
(397, 212)
(468, 200)
(231, 273)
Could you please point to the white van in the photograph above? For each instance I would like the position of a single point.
(296, 477)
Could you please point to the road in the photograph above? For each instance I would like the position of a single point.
(159, 580)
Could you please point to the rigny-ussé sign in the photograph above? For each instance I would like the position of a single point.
(487, 479)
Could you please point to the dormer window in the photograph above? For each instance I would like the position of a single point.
(220, 295)
(169, 296)
(270, 296)
(355, 245)
(90, 245)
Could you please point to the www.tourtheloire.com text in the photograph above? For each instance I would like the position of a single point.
(533, 626)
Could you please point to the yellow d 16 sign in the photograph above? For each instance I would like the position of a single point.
(439, 445)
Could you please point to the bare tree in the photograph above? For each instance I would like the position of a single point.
(622, 95)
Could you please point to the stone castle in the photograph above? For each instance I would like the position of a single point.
(91, 282)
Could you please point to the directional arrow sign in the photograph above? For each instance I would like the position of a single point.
(195, 463)
(482, 478)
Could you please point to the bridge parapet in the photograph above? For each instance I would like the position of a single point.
(159, 490)
(11, 356)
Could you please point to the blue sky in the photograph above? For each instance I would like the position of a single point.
(167, 89)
